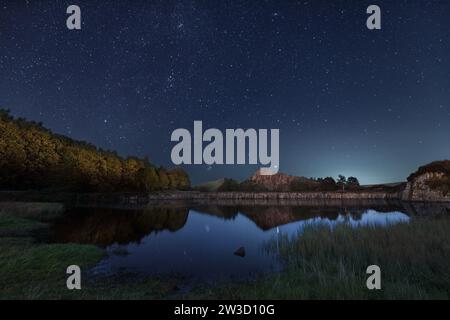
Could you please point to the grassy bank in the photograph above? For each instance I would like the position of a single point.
(331, 264)
(28, 269)
(33, 270)
(24, 218)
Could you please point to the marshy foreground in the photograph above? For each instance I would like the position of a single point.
(321, 252)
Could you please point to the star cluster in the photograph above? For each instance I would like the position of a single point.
(369, 103)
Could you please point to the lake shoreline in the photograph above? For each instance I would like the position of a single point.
(149, 198)
(332, 195)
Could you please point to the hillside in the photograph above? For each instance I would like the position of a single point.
(32, 157)
(210, 186)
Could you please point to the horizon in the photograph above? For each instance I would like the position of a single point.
(225, 177)
(347, 100)
(241, 178)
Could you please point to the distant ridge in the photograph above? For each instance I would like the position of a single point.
(210, 186)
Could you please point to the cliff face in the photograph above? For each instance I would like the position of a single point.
(420, 188)
(276, 182)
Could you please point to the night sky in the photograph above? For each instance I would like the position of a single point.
(347, 100)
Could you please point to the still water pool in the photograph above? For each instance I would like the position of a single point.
(201, 241)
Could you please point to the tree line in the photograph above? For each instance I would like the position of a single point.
(33, 157)
(297, 185)
(325, 184)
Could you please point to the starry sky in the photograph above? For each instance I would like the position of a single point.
(347, 100)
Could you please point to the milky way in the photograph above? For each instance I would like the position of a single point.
(375, 104)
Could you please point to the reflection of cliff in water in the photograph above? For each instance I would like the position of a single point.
(268, 217)
(427, 209)
(104, 226)
(269, 214)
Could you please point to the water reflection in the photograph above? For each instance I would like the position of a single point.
(105, 226)
(199, 239)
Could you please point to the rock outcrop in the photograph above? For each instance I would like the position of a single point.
(420, 189)
(277, 182)
(429, 183)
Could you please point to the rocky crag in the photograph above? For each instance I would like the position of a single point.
(277, 182)
(430, 183)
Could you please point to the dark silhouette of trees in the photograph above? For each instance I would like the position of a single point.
(32, 157)
(352, 183)
(328, 184)
(341, 182)
(313, 185)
